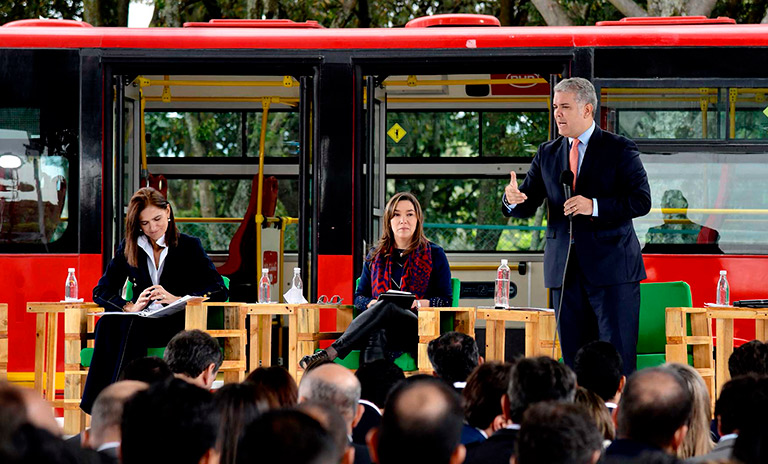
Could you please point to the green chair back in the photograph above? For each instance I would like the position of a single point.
(655, 297)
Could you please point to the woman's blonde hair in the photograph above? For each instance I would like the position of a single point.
(386, 242)
(597, 409)
(698, 440)
(146, 196)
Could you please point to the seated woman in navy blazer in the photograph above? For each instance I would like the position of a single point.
(405, 260)
(163, 266)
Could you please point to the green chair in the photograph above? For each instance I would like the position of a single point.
(405, 361)
(655, 297)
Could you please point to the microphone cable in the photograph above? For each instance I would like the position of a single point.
(566, 178)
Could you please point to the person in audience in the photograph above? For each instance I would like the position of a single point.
(329, 417)
(751, 445)
(149, 369)
(337, 386)
(404, 260)
(531, 380)
(734, 409)
(39, 412)
(277, 380)
(698, 440)
(652, 416)
(421, 423)
(194, 356)
(286, 436)
(376, 378)
(598, 368)
(557, 433)
(238, 405)
(454, 356)
(486, 386)
(599, 413)
(749, 358)
(173, 421)
(162, 265)
(107, 414)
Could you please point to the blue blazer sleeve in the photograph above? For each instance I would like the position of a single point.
(363, 293)
(439, 289)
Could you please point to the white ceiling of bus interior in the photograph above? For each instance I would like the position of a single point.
(403, 92)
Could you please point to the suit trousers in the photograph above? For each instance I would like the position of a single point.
(381, 328)
(608, 313)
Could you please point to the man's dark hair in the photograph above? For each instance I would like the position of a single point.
(750, 446)
(598, 368)
(654, 404)
(172, 421)
(421, 423)
(377, 379)
(482, 396)
(286, 436)
(533, 380)
(331, 420)
(454, 356)
(150, 369)
(557, 433)
(749, 358)
(190, 352)
(735, 404)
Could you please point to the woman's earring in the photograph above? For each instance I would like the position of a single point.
(169, 219)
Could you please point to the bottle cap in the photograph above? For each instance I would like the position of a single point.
(264, 270)
(723, 272)
(503, 262)
(296, 270)
(71, 269)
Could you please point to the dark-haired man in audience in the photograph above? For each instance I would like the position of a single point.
(106, 416)
(194, 356)
(652, 415)
(173, 421)
(599, 369)
(558, 433)
(376, 380)
(749, 358)
(149, 370)
(486, 385)
(531, 380)
(421, 424)
(454, 356)
(329, 417)
(286, 436)
(337, 386)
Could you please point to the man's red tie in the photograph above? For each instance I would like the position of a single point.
(573, 160)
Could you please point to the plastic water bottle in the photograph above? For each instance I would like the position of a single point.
(296, 282)
(70, 287)
(723, 290)
(265, 287)
(501, 298)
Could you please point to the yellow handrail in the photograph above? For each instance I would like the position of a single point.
(287, 82)
(413, 81)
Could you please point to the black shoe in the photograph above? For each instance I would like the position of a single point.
(311, 360)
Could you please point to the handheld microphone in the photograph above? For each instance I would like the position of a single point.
(566, 178)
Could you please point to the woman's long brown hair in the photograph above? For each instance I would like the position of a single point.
(144, 197)
(387, 240)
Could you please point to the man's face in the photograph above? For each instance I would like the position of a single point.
(572, 118)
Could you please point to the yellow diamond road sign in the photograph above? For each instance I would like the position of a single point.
(396, 132)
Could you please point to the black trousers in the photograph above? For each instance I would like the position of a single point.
(384, 327)
(589, 313)
(120, 340)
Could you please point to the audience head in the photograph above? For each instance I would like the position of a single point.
(697, 441)
(334, 424)
(39, 412)
(453, 356)
(598, 368)
(598, 411)
(150, 369)
(377, 379)
(288, 437)
(655, 408)
(238, 404)
(278, 381)
(486, 386)
(107, 412)
(335, 385)
(734, 408)
(558, 433)
(173, 421)
(421, 423)
(12, 413)
(749, 358)
(751, 445)
(537, 379)
(194, 356)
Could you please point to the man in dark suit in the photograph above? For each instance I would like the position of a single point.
(601, 292)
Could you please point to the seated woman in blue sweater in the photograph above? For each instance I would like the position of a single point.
(402, 260)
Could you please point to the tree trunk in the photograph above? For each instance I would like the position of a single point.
(363, 14)
(122, 13)
(253, 9)
(765, 18)
(169, 15)
(667, 7)
(552, 12)
(92, 12)
(701, 7)
(629, 8)
(271, 9)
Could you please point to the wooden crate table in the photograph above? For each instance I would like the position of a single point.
(429, 329)
(308, 329)
(260, 334)
(539, 332)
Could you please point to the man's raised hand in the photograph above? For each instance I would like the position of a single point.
(513, 194)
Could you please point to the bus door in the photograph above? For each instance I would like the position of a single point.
(375, 168)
